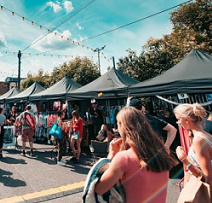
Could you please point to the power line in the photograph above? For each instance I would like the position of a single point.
(72, 15)
(136, 21)
(120, 27)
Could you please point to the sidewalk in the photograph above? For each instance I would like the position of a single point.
(25, 177)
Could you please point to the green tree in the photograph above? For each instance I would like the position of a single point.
(192, 29)
(193, 26)
(41, 78)
(80, 70)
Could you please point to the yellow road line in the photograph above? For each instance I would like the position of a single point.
(43, 193)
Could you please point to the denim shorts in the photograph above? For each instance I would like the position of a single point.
(75, 135)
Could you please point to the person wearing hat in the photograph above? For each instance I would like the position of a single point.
(158, 125)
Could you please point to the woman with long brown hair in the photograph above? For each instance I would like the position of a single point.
(139, 159)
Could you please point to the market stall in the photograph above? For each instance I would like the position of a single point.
(12, 92)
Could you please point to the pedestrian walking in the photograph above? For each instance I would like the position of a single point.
(27, 119)
(76, 135)
(61, 142)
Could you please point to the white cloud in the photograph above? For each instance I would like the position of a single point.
(51, 41)
(68, 6)
(81, 38)
(7, 70)
(79, 26)
(56, 6)
(3, 42)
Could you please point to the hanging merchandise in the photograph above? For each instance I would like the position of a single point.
(33, 107)
(56, 105)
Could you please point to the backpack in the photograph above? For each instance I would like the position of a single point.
(115, 195)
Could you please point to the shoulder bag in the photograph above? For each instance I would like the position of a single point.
(195, 191)
(56, 131)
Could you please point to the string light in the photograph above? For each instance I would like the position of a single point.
(50, 55)
(41, 27)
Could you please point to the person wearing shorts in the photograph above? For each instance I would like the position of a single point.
(76, 136)
(27, 132)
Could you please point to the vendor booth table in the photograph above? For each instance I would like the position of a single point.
(10, 140)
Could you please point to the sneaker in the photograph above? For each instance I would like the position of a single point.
(64, 161)
(60, 163)
(73, 158)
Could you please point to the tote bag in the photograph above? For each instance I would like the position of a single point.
(195, 191)
(56, 131)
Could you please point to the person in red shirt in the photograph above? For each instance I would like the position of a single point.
(76, 135)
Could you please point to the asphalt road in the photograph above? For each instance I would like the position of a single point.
(25, 175)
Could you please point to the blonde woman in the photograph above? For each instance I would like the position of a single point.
(198, 161)
(139, 159)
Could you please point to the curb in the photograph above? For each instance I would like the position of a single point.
(46, 195)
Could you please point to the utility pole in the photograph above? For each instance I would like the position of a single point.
(19, 69)
(98, 51)
(114, 64)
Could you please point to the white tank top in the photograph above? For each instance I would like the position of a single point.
(193, 156)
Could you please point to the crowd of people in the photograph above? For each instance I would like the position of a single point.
(141, 149)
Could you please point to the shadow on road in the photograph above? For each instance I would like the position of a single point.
(10, 160)
(7, 180)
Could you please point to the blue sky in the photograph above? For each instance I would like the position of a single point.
(98, 17)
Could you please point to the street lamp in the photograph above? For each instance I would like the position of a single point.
(98, 50)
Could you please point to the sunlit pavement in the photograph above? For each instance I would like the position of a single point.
(40, 179)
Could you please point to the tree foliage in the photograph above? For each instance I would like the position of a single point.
(80, 70)
(192, 29)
